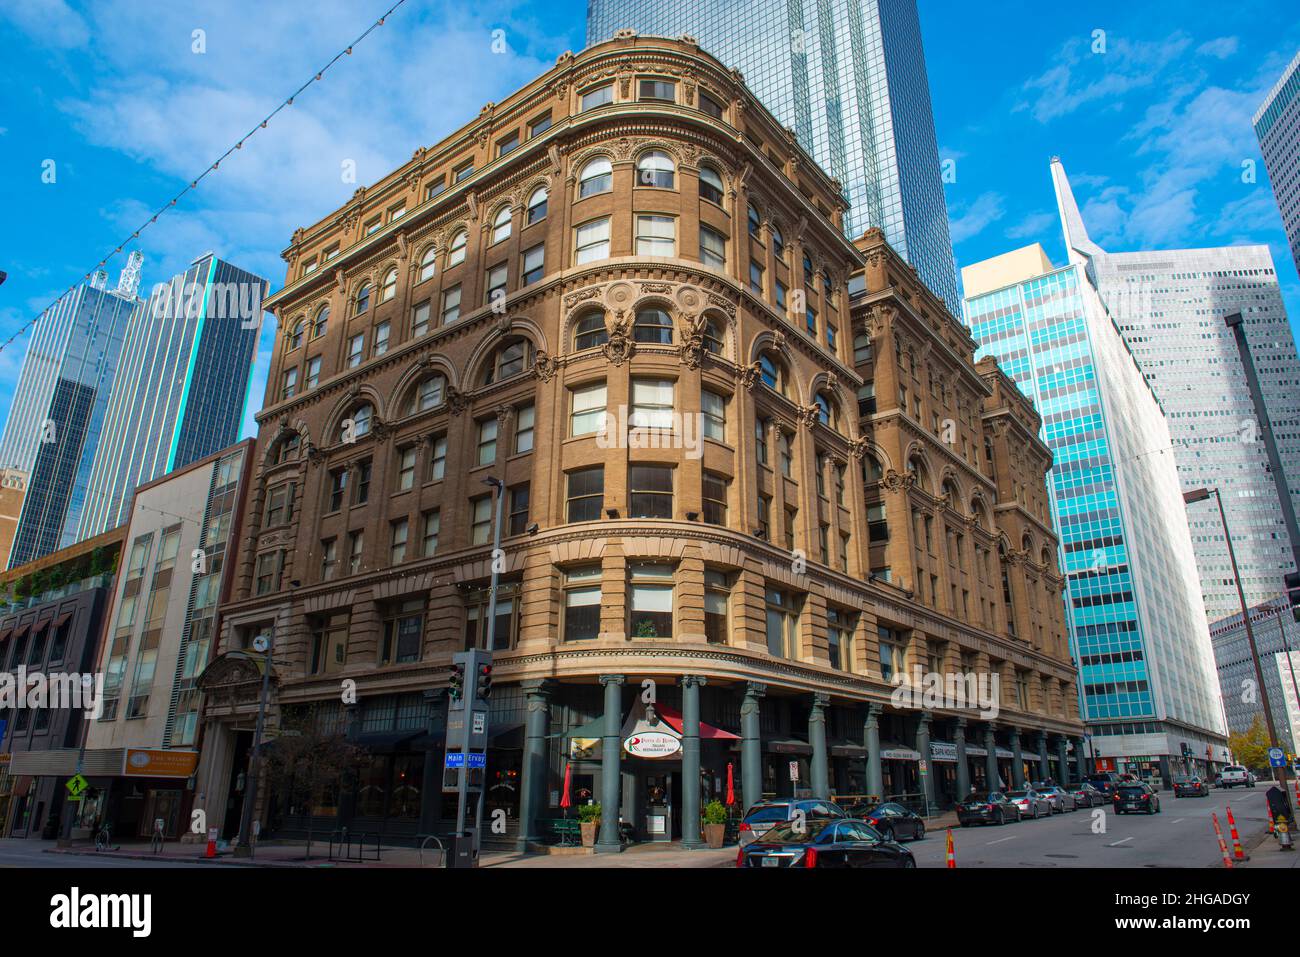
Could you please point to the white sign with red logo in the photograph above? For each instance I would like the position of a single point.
(652, 744)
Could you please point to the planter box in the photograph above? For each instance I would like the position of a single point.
(589, 834)
(715, 834)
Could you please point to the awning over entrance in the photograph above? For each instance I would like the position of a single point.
(707, 731)
(973, 751)
(943, 751)
(844, 748)
(1004, 753)
(893, 751)
(787, 746)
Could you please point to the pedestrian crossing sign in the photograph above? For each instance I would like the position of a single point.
(76, 785)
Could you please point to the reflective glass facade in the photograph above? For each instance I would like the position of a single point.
(1277, 124)
(848, 76)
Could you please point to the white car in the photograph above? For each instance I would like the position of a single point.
(1234, 775)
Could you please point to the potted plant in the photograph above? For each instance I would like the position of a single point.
(589, 822)
(715, 823)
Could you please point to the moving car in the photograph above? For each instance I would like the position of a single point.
(1104, 781)
(823, 842)
(1235, 775)
(893, 821)
(760, 818)
(1031, 803)
(1060, 799)
(1085, 795)
(1192, 786)
(986, 807)
(1137, 798)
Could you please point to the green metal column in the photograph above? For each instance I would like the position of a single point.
(927, 760)
(532, 774)
(991, 758)
(1043, 771)
(1080, 758)
(820, 764)
(1017, 760)
(751, 747)
(610, 755)
(691, 760)
(963, 769)
(875, 773)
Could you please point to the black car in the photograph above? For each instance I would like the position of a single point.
(1191, 787)
(986, 807)
(764, 815)
(1138, 798)
(823, 842)
(893, 821)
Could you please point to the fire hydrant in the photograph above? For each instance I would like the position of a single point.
(1284, 834)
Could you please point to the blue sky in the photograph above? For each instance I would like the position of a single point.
(1153, 131)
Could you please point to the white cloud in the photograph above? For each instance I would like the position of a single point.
(1033, 226)
(970, 220)
(52, 23)
(1220, 48)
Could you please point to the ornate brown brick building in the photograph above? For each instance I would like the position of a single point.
(803, 485)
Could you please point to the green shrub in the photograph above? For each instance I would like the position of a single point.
(589, 813)
(715, 813)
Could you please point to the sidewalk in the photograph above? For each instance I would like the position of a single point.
(1266, 852)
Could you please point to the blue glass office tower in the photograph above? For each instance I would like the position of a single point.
(54, 424)
(1148, 685)
(848, 77)
(181, 389)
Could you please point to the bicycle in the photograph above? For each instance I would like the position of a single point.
(103, 839)
(156, 841)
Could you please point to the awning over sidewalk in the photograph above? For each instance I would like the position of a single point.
(787, 746)
(893, 751)
(707, 731)
(844, 748)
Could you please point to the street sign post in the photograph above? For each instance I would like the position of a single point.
(467, 730)
(76, 786)
(1276, 758)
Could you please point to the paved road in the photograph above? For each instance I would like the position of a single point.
(25, 853)
(1182, 835)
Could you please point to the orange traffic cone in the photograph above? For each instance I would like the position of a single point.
(212, 843)
(1223, 847)
(952, 857)
(1237, 853)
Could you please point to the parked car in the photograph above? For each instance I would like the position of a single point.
(823, 842)
(1031, 803)
(1139, 798)
(760, 818)
(1235, 775)
(1060, 799)
(1085, 795)
(987, 807)
(1190, 786)
(891, 820)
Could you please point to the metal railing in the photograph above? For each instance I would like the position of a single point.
(442, 850)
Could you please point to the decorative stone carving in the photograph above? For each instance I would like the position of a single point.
(582, 295)
(544, 366)
(619, 296)
(620, 347)
(457, 401)
(749, 376)
(858, 447)
(808, 415)
(689, 299)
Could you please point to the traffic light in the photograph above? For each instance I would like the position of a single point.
(456, 690)
(483, 688)
(1292, 581)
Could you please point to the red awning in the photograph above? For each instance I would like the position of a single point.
(674, 719)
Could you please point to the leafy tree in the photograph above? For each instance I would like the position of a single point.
(1250, 747)
(306, 762)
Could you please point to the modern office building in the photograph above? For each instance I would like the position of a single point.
(13, 489)
(1169, 306)
(1277, 125)
(848, 79)
(181, 389)
(769, 545)
(52, 432)
(1276, 635)
(1137, 621)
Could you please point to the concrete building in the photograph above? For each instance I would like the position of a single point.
(780, 531)
(52, 613)
(848, 80)
(143, 750)
(1276, 634)
(1169, 305)
(1277, 125)
(1137, 620)
(13, 489)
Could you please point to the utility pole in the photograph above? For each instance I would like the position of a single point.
(498, 494)
(1295, 689)
(244, 848)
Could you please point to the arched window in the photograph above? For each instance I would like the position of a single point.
(981, 517)
(872, 470)
(826, 412)
(755, 224)
(596, 177)
(1027, 545)
(710, 185)
(712, 336)
(321, 322)
(772, 372)
(536, 206)
(456, 252)
(363, 298)
(296, 333)
(654, 326)
(917, 468)
(950, 490)
(510, 359)
(429, 394)
(501, 224)
(655, 168)
(778, 243)
(590, 332)
(428, 264)
(360, 418)
(807, 270)
(287, 450)
(389, 288)
(1045, 557)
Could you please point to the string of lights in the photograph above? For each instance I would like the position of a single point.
(211, 168)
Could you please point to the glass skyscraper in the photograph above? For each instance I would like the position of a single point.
(1169, 305)
(1137, 623)
(848, 77)
(1277, 125)
(181, 389)
(55, 420)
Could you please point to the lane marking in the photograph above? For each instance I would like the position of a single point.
(1000, 840)
(1178, 820)
(1118, 843)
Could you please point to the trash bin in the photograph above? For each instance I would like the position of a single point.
(461, 851)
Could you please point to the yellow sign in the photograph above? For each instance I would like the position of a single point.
(157, 763)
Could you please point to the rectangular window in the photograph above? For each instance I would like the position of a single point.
(891, 653)
(785, 454)
(810, 320)
(592, 241)
(436, 188)
(780, 295)
(406, 467)
(338, 488)
(329, 643)
(497, 278)
(839, 636)
(582, 603)
(356, 347)
(363, 483)
(403, 630)
(650, 491)
(289, 384)
(518, 509)
(451, 305)
(755, 278)
(267, 566)
(372, 226)
(511, 142)
(586, 494)
(534, 264)
(420, 318)
(598, 96)
(588, 409)
(651, 601)
(438, 458)
(463, 172)
(487, 441)
(656, 236)
(506, 625)
(765, 517)
(713, 248)
(717, 595)
(713, 412)
(432, 525)
(782, 624)
(710, 106)
(329, 561)
(652, 404)
(279, 505)
(313, 372)
(397, 212)
(539, 125)
(665, 90)
(480, 530)
(760, 440)
(381, 338)
(790, 515)
(356, 545)
(524, 418)
(714, 493)
(399, 531)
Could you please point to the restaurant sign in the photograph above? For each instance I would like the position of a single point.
(158, 763)
(652, 744)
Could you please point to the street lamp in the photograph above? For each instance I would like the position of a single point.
(1200, 495)
(498, 491)
(263, 644)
